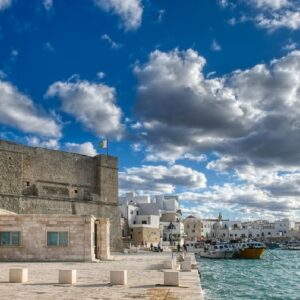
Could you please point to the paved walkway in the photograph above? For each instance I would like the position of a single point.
(145, 280)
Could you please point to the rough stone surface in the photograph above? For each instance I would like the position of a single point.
(33, 238)
(42, 181)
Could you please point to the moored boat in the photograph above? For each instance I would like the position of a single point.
(250, 250)
(218, 251)
(293, 245)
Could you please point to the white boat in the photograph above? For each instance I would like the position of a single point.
(293, 245)
(194, 247)
(218, 251)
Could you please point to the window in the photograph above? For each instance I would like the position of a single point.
(144, 222)
(75, 191)
(55, 238)
(27, 183)
(10, 238)
(187, 226)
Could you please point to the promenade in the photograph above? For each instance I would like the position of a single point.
(145, 280)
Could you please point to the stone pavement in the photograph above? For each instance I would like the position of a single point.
(145, 280)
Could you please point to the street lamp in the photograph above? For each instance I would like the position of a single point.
(171, 227)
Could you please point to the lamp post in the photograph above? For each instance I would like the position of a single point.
(171, 227)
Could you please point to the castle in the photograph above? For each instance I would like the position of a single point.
(42, 181)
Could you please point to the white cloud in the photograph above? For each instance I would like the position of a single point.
(86, 148)
(270, 4)
(215, 46)
(248, 116)
(290, 46)
(112, 44)
(101, 75)
(44, 143)
(19, 111)
(161, 179)
(5, 4)
(289, 19)
(48, 4)
(92, 105)
(130, 11)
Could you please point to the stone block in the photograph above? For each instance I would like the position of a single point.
(186, 266)
(118, 277)
(171, 278)
(67, 276)
(170, 264)
(188, 258)
(19, 275)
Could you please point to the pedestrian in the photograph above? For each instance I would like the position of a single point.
(178, 247)
(151, 247)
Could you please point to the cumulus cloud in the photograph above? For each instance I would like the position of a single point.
(160, 179)
(86, 148)
(44, 143)
(93, 105)
(246, 116)
(5, 4)
(270, 14)
(18, 111)
(130, 11)
(247, 199)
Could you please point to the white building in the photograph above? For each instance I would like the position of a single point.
(157, 213)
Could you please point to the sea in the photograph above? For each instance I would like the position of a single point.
(276, 276)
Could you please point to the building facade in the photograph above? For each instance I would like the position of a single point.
(53, 238)
(42, 181)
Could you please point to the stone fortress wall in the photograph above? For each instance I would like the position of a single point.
(42, 181)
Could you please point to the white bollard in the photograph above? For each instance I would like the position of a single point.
(118, 277)
(186, 266)
(67, 276)
(171, 278)
(170, 264)
(19, 275)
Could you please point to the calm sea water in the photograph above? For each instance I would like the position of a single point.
(269, 278)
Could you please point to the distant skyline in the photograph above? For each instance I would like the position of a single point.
(197, 98)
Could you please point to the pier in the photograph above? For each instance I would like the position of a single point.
(145, 272)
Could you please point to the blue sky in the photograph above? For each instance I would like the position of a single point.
(198, 98)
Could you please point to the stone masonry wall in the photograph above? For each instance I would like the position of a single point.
(42, 181)
(33, 229)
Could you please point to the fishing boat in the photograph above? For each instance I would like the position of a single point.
(194, 247)
(218, 251)
(249, 250)
(293, 245)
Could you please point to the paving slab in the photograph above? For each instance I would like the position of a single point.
(145, 280)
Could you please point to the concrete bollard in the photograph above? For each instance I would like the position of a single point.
(186, 266)
(67, 276)
(19, 275)
(188, 258)
(118, 277)
(170, 264)
(171, 278)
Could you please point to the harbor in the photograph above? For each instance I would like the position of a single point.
(145, 272)
(275, 276)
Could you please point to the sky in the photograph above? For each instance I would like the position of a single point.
(198, 98)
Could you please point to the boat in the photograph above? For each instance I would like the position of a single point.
(293, 245)
(249, 250)
(273, 245)
(194, 247)
(218, 251)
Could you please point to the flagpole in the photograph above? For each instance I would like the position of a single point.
(106, 147)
